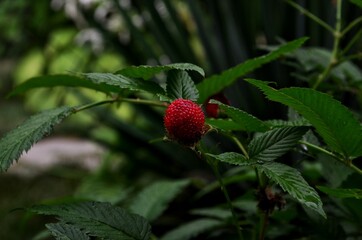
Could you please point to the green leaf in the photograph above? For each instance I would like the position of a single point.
(224, 124)
(294, 123)
(124, 82)
(63, 231)
(357, 2)
(342, 192)
(147, 72)
(20, 139)
(334, 122)
(214, 84)
(153, 200)
(245, 120)
(61, 80)
(192, 229)
(291, 181)
(99, 219)
(232, 158)
(275, 143)
(180, 85)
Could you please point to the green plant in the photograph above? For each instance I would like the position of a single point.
(271, 156)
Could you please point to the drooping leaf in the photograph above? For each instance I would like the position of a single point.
(291, 181)
(192, 229)
(124, 82)
(180, 85)
(232, 158)
(63, 231)
(334, 122)
(224, 124)
(61, 80)
(99, 219)
(146, 72)
(342, 192)
(153, 200)
(20, 139)
(245, 120)
(275, 143)
(214, 84)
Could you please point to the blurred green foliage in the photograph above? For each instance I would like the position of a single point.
(49, 37)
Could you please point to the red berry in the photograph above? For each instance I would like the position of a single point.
(184, 122)
(212, 109)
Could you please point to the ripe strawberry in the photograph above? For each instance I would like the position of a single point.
(184, 122)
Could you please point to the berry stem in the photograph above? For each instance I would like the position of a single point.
(214, 167)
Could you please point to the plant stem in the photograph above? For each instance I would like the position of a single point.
(241, 146)
(311, 16)
(347, 163)
(143, 101)
(226, 194)
(353, 41)
(94, 104)
(351, 25)
(130, 100)
(263, 225)
(215, 169)
(337, 38)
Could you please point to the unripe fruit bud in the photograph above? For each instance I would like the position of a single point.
(184, 122)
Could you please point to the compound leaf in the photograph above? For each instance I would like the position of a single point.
(340, 130)
(99, 219)
(275, 143)
(291, 181)
(180, 85)
(21, 139)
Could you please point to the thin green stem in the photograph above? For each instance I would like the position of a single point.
(347, 163)
(130, 100)
(337, 38)
(311, 16)
(241, 146)
(226, 194)
(263, 225)
(318, 149)
(215, 169)
(143, 101)
(355, 38)
(94, 104)
(351, 25)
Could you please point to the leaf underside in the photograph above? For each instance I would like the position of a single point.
(180, 85)
(31, 131)
(63, 231)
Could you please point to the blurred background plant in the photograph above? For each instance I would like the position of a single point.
(61, 36)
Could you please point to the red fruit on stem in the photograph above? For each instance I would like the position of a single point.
(212, 109)
(184, 122)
